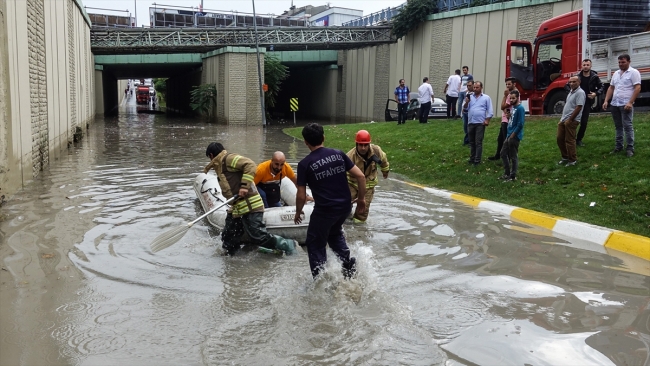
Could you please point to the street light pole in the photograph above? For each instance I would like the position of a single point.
(259, 69)
(135, 2)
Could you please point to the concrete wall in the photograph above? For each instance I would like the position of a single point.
(46, 71)
(475, 37)
(234, 71)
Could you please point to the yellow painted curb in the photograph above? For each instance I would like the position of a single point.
(633, 244)
(415, 185)
(535, 218)
(473, 201)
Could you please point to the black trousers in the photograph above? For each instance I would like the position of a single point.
(476, 132)
(451, 106)
(503, 133)
(401, 112)
(424, 112)
(326, 228)
(584, 118)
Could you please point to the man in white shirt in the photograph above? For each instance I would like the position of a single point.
(452, 88)
(426, 97)
(463, 88)
(623, 90)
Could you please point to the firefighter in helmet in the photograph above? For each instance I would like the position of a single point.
(369, 158)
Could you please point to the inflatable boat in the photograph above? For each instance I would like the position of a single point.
(278, 220)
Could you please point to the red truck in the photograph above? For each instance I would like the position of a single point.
(142, 94)
(543, 68)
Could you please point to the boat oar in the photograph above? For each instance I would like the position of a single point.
(170, 237)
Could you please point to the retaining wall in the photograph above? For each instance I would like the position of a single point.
(47, 84)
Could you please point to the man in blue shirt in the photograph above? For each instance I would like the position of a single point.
(480, 111)
(464, 88)
(402, 93)
(324, 170)
(514, 134)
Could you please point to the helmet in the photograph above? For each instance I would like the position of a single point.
(363, 137)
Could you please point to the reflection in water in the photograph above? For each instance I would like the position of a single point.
(438, 282)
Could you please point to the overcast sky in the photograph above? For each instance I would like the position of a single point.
(261, 6)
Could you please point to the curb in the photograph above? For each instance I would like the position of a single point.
(632, 244)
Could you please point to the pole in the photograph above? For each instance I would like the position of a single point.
(135, 3)
(259, 70)
(294, 118)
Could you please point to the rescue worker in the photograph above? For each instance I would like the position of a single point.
(269, 176)
(235, 174)
(367, 157)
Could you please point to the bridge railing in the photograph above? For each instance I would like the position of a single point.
(384, 16)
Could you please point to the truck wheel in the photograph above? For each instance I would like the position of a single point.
(556, 103)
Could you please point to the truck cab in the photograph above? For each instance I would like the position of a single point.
(543, 68)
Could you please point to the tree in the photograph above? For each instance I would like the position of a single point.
(161, 87)
(203, 98)
(411, 15)
(274, 73)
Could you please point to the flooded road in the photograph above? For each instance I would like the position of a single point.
(439, 282)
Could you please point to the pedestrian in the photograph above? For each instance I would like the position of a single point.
(324, 170)
(514, 135)
(505, 117)
(470, 87)
(592, 86)
(480, 111)
(368, 158)
(402, 93)
(623, 90)
(566, 128)
(465, 78)
(452, 88)
(235, 173)
(268, 178)
(425, 98)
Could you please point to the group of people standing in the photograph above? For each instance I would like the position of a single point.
(336, 180)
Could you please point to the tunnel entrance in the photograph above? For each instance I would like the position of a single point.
(315, 86)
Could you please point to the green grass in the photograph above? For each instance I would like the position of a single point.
(433, 155)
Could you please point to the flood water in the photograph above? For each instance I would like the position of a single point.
(439, 282)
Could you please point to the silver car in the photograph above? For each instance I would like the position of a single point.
(438, 107)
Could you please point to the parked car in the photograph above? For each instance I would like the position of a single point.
(438, 108)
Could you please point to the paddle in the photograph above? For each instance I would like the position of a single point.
(170, 237)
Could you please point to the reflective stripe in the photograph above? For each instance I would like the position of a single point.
(233, 164)
(387, 168)
(242, 207)
(247, 177)
(369, 183)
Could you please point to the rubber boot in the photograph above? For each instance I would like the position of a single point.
(350, 268)
(286, 245)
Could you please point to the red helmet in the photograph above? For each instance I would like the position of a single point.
(363, 137)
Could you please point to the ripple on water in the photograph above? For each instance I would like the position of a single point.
(96, 341)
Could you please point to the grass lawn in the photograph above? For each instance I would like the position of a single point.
(432, 154)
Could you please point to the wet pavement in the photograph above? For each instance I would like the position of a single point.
(439, 282)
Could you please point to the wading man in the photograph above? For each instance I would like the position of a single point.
(324, 170)
(367, 157)
(235, 174)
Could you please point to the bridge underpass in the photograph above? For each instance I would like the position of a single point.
(183, 71)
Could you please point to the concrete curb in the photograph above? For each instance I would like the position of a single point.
(632, 244)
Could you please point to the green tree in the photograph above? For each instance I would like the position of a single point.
(203, 98)
(160, 84)
(411, 15)
(274, 73)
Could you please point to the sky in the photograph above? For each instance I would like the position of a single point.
(261, 6)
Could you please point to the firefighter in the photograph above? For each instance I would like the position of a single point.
(367, 157)
(236, 174)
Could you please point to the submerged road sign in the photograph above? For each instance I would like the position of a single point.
(293, 103)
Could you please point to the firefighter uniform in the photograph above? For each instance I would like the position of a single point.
(368, 165)
(246, 214)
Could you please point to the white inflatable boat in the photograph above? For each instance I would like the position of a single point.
(278, 220)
